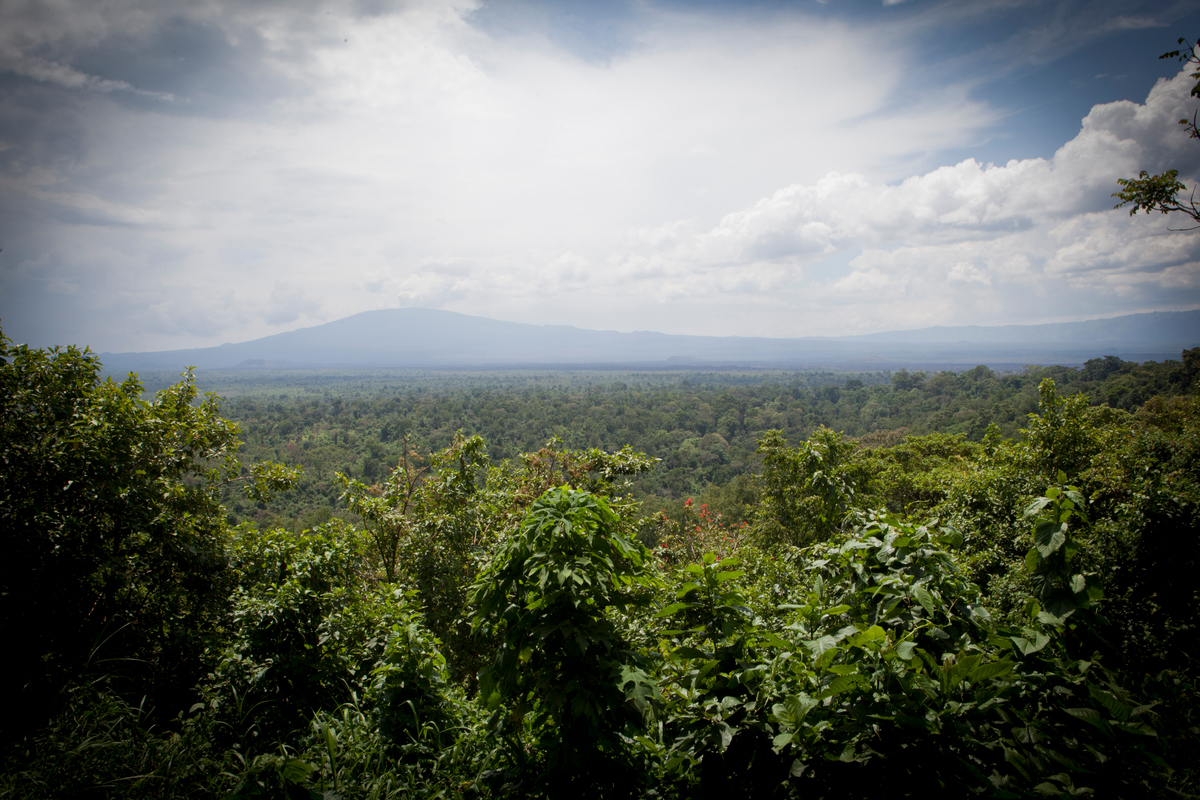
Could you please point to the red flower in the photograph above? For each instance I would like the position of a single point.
(687, 503)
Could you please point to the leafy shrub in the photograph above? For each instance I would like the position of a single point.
(110, 506)
(309, 626)
(546, 594)
(410, 680)
(101, 746)
(807, 490)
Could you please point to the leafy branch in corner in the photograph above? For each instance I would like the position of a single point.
(1159, 193)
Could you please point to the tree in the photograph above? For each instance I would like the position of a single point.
(112, 529)
(1160, 193)
(548, 594)
(807, 490)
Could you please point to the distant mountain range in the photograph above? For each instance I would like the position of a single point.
(428, 338)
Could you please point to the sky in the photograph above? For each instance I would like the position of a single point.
(184, 173)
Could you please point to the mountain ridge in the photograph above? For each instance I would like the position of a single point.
(433, 338)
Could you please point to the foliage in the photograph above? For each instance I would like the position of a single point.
(907, 680)
(410, 680)
(110, 504)
(954, 641)
(703, 429)
(911, 476)
(309, 628)
(1058, 591)
(547, 593)
(1159, 193)
(99, 745)
(686, 540)
(711, 681)
(808, 490)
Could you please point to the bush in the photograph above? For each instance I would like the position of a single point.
(109, 505)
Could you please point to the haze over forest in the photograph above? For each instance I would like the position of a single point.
(401, 338)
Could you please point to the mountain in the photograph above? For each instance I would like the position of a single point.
(1157, 326)
(429, 338)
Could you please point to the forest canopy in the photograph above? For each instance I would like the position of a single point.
(958, 582)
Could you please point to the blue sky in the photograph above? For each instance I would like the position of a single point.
(178, 174)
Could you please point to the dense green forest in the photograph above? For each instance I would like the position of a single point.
(677, 586)
(703, 427)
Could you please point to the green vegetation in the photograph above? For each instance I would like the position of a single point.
(966, 584)
(703, 427)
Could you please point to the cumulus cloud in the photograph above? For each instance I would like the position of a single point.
(321, 158)
(1025, 224)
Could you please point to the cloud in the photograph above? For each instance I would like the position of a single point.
(1024, 223)
(710, 172)
(41, 69)
(862, 281)
(288, 303)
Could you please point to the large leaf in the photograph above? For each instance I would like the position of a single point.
(1089, 715)
(818, 647)
(674, 608)
(637, 686)
(842, 684)
(923, 597)
(992, 669)
(1031, 642)
(1114, 706)
(1048, 537)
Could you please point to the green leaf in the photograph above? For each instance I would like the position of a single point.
(689, 653)
(1139, 728)
(1032, 642)
(842, 684)
(1061, 604)
(818, 647)
(637, 686)
(923, 597)
(673, 609)
(295, 771)
(1089, 715)
(1046, 618)
(1048, 537)
(772, 639)
(727, 734)
(842, 609)
(993, 669)
(871, 634)
(1110, 703)
(1037, 505)
(951, 538)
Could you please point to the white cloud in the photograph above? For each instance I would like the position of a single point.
(417, 160)
(966, 272)
(1002, 230)
(860, 281)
